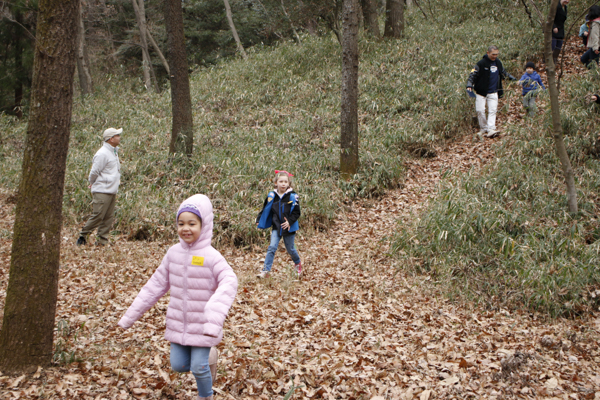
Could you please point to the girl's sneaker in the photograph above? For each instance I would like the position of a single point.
(298, 268)
(262, 275)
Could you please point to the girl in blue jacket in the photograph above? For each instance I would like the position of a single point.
(280, 212)
(531, 82)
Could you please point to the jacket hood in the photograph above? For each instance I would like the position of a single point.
(204, 206)
(289, 190)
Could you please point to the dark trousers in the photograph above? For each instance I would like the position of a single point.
(557, 43)
(589, 56)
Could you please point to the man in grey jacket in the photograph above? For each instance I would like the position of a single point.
(104, 179)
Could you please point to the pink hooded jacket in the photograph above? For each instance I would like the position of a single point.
(203, 287)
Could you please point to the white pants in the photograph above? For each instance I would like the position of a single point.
(492, 103)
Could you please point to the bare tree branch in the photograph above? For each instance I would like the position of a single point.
(418, 5)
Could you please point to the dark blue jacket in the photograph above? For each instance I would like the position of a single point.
(276, 210)
(479, 78)
(531, 82)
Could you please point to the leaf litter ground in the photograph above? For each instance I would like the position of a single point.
(355, 326)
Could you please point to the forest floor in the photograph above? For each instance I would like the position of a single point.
(355, 326)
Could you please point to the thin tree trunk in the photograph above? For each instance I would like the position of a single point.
(370, 16)
(557, 133)
(233, 30)
(83, 69)
(142, 9)
(394, 18)
(160, 54)
(349, 115)
(140, 16)
(18, 85)
(182, 133)
(291, 23)
(107, 31)
(30, 307)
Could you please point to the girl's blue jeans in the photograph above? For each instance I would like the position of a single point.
(289, 246)
(195, 359)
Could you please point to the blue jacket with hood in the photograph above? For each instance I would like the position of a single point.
(531, 82)
(279, 208)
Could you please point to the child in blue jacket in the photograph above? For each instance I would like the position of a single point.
(531, 82)
(584, 32)
(281, 212)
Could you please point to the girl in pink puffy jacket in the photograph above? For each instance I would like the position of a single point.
(203, 287)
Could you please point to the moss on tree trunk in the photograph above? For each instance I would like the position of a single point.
(349, 114)
(28, 323)
(182, 133)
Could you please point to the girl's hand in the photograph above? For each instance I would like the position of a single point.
(594, 98)
(286, 224)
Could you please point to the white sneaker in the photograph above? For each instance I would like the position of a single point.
(480, 134)
(492, 133)
(262, 275)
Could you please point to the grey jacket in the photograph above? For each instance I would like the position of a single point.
(105, 175)
(594, 37)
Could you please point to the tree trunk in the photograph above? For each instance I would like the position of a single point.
(349, 114)
(233, 30)
(557, 132)
(18, 84)
(140, 15)
(291, 23)
(30, 307)
(370, 16)
(160, 54)
(83, 69)
(394, 18)
(182, 133)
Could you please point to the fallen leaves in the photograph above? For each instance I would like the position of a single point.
(354, 327)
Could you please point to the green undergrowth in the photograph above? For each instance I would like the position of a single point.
(503, 236)
(280, 109)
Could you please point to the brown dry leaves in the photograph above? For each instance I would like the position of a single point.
(354, 326)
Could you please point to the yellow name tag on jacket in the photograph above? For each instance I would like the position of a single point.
(197, 260)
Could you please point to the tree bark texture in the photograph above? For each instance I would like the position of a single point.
(28, 322)
(370, 16)
(83, 68)
(394, 19)
(233, 30)
(349, 115)
(557, 133)
(140, 15)
(182, 133)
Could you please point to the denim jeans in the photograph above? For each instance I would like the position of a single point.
(195, 359)
(557, 43)
(491, 99)
(289, 246)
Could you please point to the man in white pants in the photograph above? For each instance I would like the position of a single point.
(486, 80)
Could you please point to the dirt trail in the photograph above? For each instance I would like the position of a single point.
(354, 326)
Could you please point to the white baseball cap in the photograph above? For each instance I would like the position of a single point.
(110, 132)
